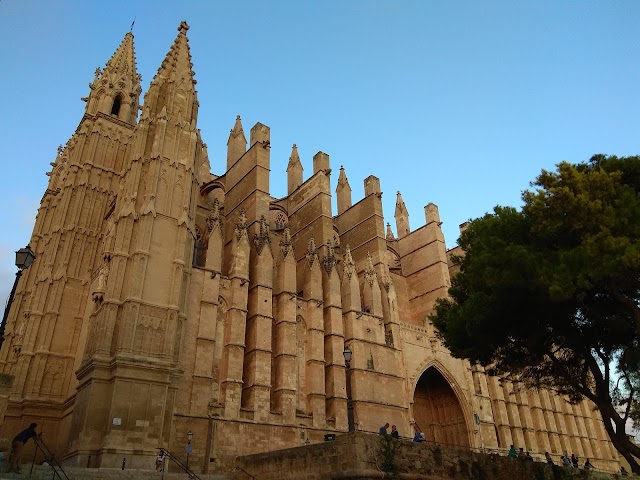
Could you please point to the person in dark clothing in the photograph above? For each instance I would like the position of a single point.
(18, 444)
(548, 457)
(574, 461)
(394, 432)
(383, 429)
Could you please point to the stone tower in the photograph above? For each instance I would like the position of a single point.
(45, 332)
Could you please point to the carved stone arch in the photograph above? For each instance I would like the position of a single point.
(278, 217)
(439, 407)
(209, 187)
(393, 258)
(336, 237)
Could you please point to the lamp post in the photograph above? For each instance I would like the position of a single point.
(189, 437)
(347, 361)
(24, 259)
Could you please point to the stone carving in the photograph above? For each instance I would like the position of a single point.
(286, 244)
(262, 237)
(329, 261)
(370, 274)
(214, 219)
(349, 264)
(241, 228)
(312, 253)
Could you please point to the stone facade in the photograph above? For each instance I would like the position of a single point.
(166, 299)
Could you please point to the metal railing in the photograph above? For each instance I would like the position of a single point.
(50, 458)
(174, 459)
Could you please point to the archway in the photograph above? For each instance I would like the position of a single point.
(437, 411)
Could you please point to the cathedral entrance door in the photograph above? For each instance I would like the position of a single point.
(437, 411)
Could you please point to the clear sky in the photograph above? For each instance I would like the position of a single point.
(459, 103)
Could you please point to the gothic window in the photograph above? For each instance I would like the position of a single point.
(115, 108)
(198, 249)
(281, 221)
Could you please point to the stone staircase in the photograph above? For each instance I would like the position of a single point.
(75, 473)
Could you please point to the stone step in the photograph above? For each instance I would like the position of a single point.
(75, 473)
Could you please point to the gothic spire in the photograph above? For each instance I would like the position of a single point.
(294, 170)
(237, 143)
(115, 90)
(343, 192)
(173, 86)
(402, 217)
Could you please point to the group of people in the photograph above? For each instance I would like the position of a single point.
(384, 430)
(570, 462)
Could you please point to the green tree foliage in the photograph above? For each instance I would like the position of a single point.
(549, 295)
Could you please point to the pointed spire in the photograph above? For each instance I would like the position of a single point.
(312, 253)
(349, 264)
(286, 244)
(294, 170)
(329, 262)
(176, 70)
(115, 90)
(370, 274)
(390, 232)
(237, 143)
(402, 217)
(262, 238)
(343, 192)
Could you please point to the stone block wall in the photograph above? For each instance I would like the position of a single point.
(362, 456)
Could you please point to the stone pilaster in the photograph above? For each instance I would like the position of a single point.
(257, 370)
(335, 387)
(315, 336)
(284, 347)
(231, 371)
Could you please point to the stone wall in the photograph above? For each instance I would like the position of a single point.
(366, 456)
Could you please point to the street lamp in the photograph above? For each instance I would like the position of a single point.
(189, 437)
(347, 361)
(24, 259)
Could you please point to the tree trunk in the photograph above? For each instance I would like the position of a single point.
(629, 450)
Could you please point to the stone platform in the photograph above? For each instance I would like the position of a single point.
(364, 456)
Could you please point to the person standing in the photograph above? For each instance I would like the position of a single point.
(383, 429)
(512, 452)
(548, 457)
(394, 432)
(18, 444)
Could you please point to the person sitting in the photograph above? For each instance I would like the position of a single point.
(512, 452)
(419, 437)
(394, 432)
(565, 461)
(521, 453)
(383, 429)
(548, 458)
(588, 465)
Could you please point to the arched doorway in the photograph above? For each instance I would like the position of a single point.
(437, 411)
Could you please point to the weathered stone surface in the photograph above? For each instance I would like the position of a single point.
(165, 299)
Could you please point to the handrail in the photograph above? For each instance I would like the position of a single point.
(184, 468)
(50, 458)
(244, 471)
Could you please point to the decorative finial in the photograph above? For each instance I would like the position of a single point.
(132, 23)
(183, 27)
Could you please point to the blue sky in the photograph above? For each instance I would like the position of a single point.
(459, 103)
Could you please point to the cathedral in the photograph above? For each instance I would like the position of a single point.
(173, 302)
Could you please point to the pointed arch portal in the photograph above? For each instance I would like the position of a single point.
(437, 411)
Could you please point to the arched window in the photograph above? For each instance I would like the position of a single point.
(115, 108)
